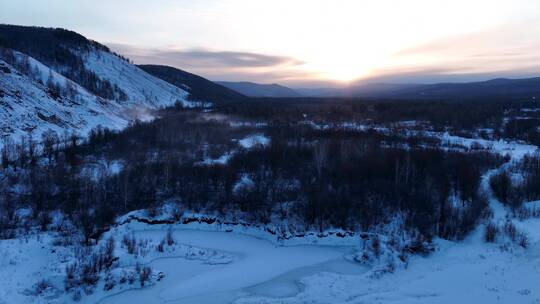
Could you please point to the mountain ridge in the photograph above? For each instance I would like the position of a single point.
(496, 87)
(55, 79)
(199, 88)
(253, 89)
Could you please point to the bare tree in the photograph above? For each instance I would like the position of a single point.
(320, 156)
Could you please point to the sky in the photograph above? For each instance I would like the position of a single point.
(308, 43)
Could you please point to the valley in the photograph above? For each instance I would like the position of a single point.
(124, 183)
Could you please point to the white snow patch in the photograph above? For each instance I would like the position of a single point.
(222, 160)
(245, 184)
(254, 141)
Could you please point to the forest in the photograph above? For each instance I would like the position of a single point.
(313, 179)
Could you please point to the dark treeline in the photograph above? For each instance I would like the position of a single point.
(512, 192)
(312, 180)
(460, 117)
(527, 129)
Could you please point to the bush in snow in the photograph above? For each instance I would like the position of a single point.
(531, 186)
(524, 213)
(134, 246)
(144, 275)
(77, 295)
(381, 255)
(71, 278)
(109, 249)
(161, 246)
(42, 286)
(389, 246)
(501, 185)
(523, 240)
(130, 276)
(167, 240)
(490, 232)
(143, 247)
(67, 235)
(374, 246)
(169, 237)
(177, 213)
(110, 282)
(89, 274)
(90, 263)
(130, 243)
(509, 231)
(44, 220)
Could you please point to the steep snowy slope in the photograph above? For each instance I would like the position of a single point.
(35, 98)
(29, 106)
(57, 79)
(140, 87)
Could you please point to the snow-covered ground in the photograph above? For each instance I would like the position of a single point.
(254, 141)
(467, 272)
(234, 263)
(516, 150)
(240, 268)
(249, 142)
(470, 271)
(201, 267)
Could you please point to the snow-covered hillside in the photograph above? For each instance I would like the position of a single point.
(141, 87)
(29, 106)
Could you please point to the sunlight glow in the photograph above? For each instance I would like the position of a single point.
(335, 39)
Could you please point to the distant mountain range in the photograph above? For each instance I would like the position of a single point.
(260, 90)
(495, 88)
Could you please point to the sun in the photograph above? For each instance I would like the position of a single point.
(346, 74)
(344, 63)
(343, 70)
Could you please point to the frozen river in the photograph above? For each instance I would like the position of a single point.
(260, 268)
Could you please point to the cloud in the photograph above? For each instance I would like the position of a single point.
(229, 59)
(492, 53)
(201, 58)
(223, 65)
(508, 40)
